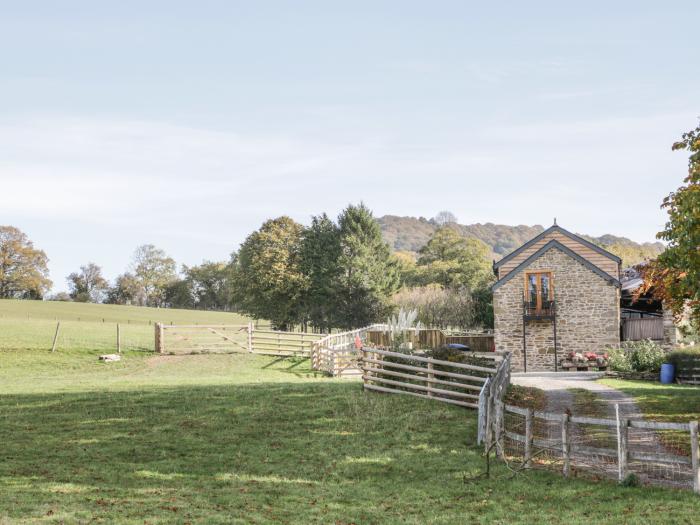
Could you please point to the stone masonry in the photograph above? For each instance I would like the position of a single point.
(588, 313)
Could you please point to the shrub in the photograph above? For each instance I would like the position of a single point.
(619, 360)
(637, 356)
(647, 356)
(685, 359)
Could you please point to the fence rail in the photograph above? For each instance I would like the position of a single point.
(219, 338)
(664, 453)
(432, 338)
(445, 381)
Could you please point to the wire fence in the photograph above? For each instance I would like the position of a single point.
(39, 334)
(657, 453)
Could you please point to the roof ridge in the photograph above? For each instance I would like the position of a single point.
(556, 227)
(553, 243)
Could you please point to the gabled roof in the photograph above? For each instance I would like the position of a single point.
(559, 229)
(568, 251)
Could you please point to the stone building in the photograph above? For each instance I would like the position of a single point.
(556, 294)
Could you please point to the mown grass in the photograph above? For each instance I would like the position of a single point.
(245, 439)
(110, 313)
(662, 402)
(32, 324)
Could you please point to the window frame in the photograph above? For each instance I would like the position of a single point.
(550, 293)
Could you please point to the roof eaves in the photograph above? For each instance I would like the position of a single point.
(568, 251)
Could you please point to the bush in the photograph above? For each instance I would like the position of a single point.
(685, 359)
(619, 360)
(637, 356)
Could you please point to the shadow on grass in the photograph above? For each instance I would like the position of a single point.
(276, 452)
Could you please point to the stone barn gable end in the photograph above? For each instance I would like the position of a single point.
(556, 294)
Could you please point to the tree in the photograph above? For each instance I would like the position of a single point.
(154, 271)
(454, 261)
(269, 283)
(444, 218)
(320, 253)
(24, 273)
(88, 285)
(126, 290)
(675, 275)
(207, 286)
(368, 274)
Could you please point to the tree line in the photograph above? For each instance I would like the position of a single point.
(328, 275)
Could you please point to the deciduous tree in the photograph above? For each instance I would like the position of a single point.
(269, 283)
(454, 261)
(675, 275)
(154, 271)
(24, 273)
(87, 285)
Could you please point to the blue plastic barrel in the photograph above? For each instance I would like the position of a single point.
(668, 372)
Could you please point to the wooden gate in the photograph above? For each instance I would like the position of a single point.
(223, 339)
(199, 339)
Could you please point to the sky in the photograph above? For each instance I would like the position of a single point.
(188, 124)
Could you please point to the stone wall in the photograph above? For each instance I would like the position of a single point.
(588, 314)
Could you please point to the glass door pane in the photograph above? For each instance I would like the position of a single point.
(532, 290)
(544, 288)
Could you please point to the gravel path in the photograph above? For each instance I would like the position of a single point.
(560, 398)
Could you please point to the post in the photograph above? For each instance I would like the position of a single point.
(488, 437)
(695, 455)
(500, 427)
(622, 435)
(55, 337)
(363, 358)
(429, 382)
(250, 337)
(529, 438)
(119, 339)
(565, 444)
(159, 338)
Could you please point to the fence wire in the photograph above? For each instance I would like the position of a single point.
(658, 457)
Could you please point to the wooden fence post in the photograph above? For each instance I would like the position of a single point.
(500, 426)
(55, 337)
(250, 337)
(622, 445)
(565, 445)
(159, 338)
(695, 455)
(363, 358)
(119, 340)
(529, 437)
(429, 383)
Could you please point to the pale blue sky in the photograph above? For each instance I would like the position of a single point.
(186, 124)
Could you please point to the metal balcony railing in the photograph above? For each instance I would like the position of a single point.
(546, 311)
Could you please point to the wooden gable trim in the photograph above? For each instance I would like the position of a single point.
(568, 251)
(552, 229)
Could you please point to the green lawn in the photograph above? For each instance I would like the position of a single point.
(110, 313)
(662, 402)
(240, 438)
(32, 324)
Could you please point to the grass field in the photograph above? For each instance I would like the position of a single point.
(245, 439)
(662, 402)
(32, 324)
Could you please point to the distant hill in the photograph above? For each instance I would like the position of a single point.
(412, 233)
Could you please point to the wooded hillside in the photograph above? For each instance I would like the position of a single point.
(412, 233)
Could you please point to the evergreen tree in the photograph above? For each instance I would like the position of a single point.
(368, 273)
(320, 252)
